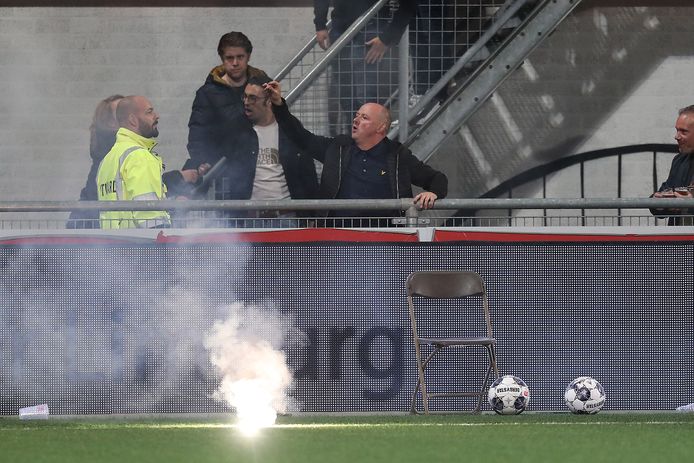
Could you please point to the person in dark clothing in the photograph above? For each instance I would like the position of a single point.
(266, 164)
(218, 110)
(262, 163)
(365, 165)
(102, 136)
(345, 12)
(359, 73)
(681, 174)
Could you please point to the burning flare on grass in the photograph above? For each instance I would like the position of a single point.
(255, 379)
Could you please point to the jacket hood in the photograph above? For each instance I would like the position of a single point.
(217, 72)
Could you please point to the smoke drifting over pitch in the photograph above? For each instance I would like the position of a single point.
(255, 378)
(124, 330)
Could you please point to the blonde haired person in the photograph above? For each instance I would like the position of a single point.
(102, 136)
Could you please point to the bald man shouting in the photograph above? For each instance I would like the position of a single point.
(365, 165)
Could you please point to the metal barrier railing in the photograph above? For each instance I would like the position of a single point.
(553, 167)
(500, 212)
(540, 173)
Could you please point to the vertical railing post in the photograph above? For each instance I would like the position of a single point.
(412, 216)
(403, 85)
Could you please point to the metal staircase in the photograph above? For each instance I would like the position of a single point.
(507, 49)
(507, 33)
(553, 102)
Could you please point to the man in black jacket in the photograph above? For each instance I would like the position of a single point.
(681, 173)
(365, 165)
(262, 163)
(218, 110)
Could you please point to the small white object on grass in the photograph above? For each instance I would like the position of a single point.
(37, 412)
(686, 408)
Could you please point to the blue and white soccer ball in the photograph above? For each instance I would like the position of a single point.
(584, 395)
(508, 395)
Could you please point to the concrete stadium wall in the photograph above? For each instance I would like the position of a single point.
(56, 63)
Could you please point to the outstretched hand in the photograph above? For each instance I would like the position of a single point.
(274, 92)
(425, 200)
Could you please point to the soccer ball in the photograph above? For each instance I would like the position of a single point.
(508, 395)
(584, 395)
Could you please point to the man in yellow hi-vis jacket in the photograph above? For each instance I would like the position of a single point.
(131, 170)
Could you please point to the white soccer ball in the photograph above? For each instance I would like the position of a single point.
(508, 395)
(584, 395)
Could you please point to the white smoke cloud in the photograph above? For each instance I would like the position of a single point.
(245, 348)
(68, 325)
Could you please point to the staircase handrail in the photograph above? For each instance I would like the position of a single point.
(506, 12)
(333, 51)
(448, 119)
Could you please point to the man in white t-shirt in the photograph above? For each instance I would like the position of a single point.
(281, 170)
(269, 182)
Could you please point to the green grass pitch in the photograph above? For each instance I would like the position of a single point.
(530, 437)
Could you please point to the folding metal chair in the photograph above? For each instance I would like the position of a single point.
(449, 285)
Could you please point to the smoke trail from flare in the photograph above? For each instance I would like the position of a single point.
(255, 379)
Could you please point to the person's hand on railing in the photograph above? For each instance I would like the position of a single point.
(274, 92)
(684, 192)
(376, 51)
(323, 39)
(679, 192)
(425, 200)
(203, 169)
(193, 175)
(669, 193)
(190, 175)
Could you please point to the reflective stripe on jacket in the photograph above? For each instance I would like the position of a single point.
(131, 171)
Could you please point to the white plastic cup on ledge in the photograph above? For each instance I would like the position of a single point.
(37, 412)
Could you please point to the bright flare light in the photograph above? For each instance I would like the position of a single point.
(252, 399)
(254, 374)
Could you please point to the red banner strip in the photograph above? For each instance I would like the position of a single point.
(449, 235)
(306, 235)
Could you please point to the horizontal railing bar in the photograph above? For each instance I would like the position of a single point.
(345, 204)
